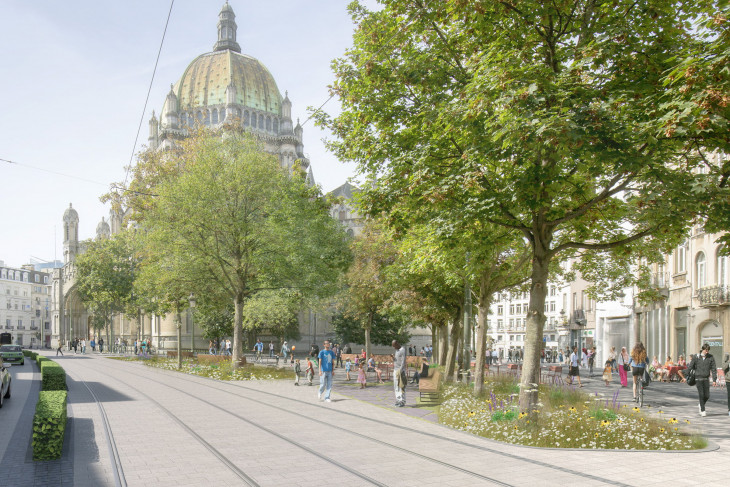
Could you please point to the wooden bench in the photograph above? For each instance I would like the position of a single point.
(183, 354)
(429, 386)
(554, 375)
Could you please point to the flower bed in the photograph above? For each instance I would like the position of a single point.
(219, 371)
(566, 418)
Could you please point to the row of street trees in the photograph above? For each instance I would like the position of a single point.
(529, 132)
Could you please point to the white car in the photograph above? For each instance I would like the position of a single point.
(4, 383)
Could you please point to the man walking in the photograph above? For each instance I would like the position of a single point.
(704, 365)
(574, 371)
(399, 374)
(326, 361)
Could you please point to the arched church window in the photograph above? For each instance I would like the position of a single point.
(199, 117)
(276, 125)
(246, 118)
(206, 118)
(191, 121)
(214, 116)
(261, 121)
(268, 124)
(350, 232)
(223, 114)
(701, 266)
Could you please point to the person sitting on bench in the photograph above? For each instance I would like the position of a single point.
(424, 372)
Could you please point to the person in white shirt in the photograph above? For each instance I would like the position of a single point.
(574, 371)
(400, 377)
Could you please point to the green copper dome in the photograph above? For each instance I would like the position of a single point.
(205, 81)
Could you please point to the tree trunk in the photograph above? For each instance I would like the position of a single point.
(368, 329)
(434, 341)
(485, 296)
(453, 347)
(535, 322)
(459, 366)
(443, 344)
(178, 325)
(237, 331)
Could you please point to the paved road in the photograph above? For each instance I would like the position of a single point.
(153, 427)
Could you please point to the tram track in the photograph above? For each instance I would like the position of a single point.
(484, 448)
(360, 436)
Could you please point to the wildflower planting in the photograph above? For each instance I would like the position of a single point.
(218, 371)
(566, 418)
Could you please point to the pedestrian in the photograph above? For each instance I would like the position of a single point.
(211, 347)
(400, 377)
(92, 343)
(326, 371)
(83, 345)
(703, 365)
(623, 366)
(297, 372)
(612, 358)
(638, 363)
(101, 345)
(348, 367)
(58, 349)
(338, 354)
(423, 372)
(591, 361)
(362, 377)
(271, 349)
(293, 347)
(607, 373)
(373, 367)
(574, 370)
(309, 370)
(726, 371)
(284, 350)
(228, 347)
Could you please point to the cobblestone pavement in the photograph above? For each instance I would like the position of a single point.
(172, 429)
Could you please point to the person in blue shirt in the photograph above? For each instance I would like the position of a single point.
(326, 372)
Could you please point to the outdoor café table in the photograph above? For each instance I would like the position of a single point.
(672, 375)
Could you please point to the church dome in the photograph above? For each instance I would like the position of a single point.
(207, 78)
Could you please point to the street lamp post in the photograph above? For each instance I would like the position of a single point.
(191, 300)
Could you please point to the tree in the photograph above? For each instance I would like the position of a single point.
(366, 287)
(528, 116)
(105, 277)
(233, 222)
(385, 327)
(275, 311)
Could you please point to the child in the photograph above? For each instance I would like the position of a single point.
(361, 378)
(297, 371)
(348, 366)
(309, 371)
(607, 372)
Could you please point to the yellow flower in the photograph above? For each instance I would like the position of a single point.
(596, 435)
(661, 412)
(515, 427)
(673, 421)
(675, 429)
(661, 430)
(686, 421)
(572, 409)
(642, 420)
(636, 410)
(522, 415)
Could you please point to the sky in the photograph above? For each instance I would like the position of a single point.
(73, 81)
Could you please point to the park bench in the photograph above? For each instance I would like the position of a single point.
(429, 386)
(554, 375)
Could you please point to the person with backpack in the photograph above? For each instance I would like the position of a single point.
(639, 362)
(703, 364)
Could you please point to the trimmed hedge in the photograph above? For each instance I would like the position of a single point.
(34, 356)
(40, 359)
(49, 425)
(53, 377)
(26, 353)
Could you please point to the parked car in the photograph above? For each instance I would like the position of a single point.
(12, 354)
(4, 383)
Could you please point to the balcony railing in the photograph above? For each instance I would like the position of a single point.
(660, 279)
(714, 295)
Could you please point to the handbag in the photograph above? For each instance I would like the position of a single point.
(627, 367)
(691, 379)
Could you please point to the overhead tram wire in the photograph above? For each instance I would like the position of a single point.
(385, 44)
(149, 90)
(53, 172)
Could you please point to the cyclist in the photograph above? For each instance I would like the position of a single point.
(638, 362)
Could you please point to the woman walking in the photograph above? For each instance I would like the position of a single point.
(638, 363)
(704, 364)
(623, 366)
(612, 358)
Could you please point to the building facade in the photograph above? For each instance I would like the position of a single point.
(25, 303)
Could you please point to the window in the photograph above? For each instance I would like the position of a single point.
(500, 324)
(500, 309)
(680, 258)
(37, 278)
(552, 305)
(511, 309)
(575, 301)
(511, 323)
(701, 270)
(721, 268)
(553, 290)
(214, 116)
